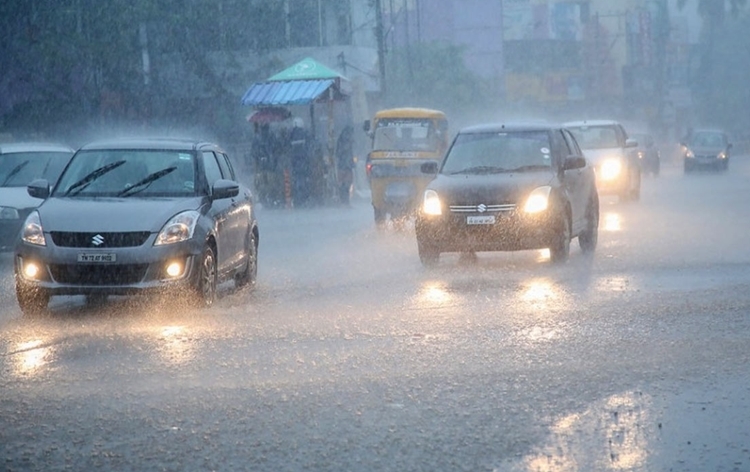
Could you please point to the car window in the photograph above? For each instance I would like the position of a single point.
(213, 171)
(596, 137)
(707, 139)
(128, 172)
(226, 166)
(498, 151)
(19, 169)
(572, 143)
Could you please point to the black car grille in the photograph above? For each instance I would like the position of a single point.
(90, 274)
(482, 208)
(104, 240)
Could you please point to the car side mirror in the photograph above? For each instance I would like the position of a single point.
(366, 126)
(224, 189)
(38, 188)
(574, 162)
(631, 143)
(430, 167)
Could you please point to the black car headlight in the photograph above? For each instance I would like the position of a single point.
(32, 232)
(431, 204)
(538, 200)
(179, 228)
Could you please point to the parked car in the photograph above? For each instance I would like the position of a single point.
(649, 156)
(607, 146)
(20, 163)
(706, 148)
(506, 188)
(138, 216)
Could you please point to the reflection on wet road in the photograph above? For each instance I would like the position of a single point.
(351, 356)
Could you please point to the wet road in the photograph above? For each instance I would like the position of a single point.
(350, 356)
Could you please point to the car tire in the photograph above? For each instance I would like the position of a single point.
(428, 255)
(589, 238)
(379, 217)
(249, 273)
(559, 251)
(205, 289)
(33, 301)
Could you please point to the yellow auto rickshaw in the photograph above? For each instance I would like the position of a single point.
(402, 140)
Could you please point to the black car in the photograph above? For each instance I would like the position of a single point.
(506, 188)
(707, 148)
(20, 163)
(649, 155)
(137, 216)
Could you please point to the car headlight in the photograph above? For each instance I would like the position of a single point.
(689, 154)
(722, 155)
(431, 204)
(32, 230)
(538, 200)
(8, 213)
(610, 169)
(179, 228)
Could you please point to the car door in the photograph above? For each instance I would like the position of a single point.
(575, 180)
(238, 212)
(221, 213)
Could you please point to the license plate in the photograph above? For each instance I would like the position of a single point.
(480, 220)
(97, 257)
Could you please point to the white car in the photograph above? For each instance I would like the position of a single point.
(614, 155)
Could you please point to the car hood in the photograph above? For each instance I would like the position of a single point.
(595, 156)
(112, 214)
(488, 188)
(17, 197)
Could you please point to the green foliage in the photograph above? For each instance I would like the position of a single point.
(434, 75)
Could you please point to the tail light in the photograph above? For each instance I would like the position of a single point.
(368, 167)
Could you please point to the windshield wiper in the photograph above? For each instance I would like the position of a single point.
(481, 170)
(531, 167)
(14, 172)
(90, 177)
(145, 182)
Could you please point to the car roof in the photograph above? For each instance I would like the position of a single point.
(11, 148)
(579, 123)
(511, 126)
(174, 144)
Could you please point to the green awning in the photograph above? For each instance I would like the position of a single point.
(306, 69)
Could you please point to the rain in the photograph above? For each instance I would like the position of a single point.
(355, 347)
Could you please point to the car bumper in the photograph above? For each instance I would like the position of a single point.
(511, 231)
(135, 270)
(704, 161)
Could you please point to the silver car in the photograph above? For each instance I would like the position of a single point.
(138, 216)
(20, 163)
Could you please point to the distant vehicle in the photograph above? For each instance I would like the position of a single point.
(402, 140)
(648, 153)
(20, 163)
(706, 148)
(607, 146)
(507, 188)
(138, 216)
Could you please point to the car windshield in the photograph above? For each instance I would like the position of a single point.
(124, 173)
(596, 137)
(405, 135)
(707, 139)
(19, 169)
(477, 153)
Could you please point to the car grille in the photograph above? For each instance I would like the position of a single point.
(89, 274)
(482, 208)
(69, 239)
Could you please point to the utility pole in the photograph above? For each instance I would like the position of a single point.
(380, 38)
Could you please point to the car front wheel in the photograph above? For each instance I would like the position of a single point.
(32, 300)
(590, 236)
(249, 273)
(205, 289)
(428, 255)
(560, 248)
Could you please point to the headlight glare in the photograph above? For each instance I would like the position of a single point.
(32, 230)
(431, 205)
(180, 228)
(538, 200)
(689, 154)
(722, 155)
(610, 169)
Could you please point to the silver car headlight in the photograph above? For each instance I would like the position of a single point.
(610, 169)
(32, 232)
(689, 154)
(431, 204)
(8, 213)
(179, 228)
(538, 200)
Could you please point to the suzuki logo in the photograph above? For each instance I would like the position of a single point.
(481, 208)
(97, 240)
